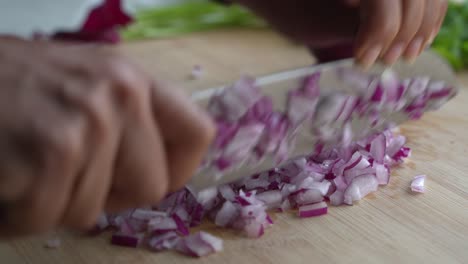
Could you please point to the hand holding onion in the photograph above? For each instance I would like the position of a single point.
(377, 29)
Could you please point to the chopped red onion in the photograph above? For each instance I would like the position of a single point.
(381, 173)
(271, 198)
(243, 142)
(254, 230)
(227, 214)
(146, 215)
(200, 244)
(53, 243)
(181, 228)
(232, 103)
(249, 129)
(227, 193)
(164, 241)
(197, 72)
(312, 210)
(417, 185)
(377, 148)
(337, 198)
(161, 225)
(207, 196)
(308, 197)
(360, 187)
(126, 240)
(102, 222)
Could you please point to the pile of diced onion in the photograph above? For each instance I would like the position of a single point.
(249, 129)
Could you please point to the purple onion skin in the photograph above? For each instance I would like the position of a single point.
(100, 26)
(317, 24)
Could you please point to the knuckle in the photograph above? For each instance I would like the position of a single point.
(390, 29)
(205, 132)
(129, 85)
(196, 136)
(208, 132)
(64, 143)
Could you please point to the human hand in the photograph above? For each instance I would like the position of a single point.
(377, 29)
(82, 130)
(391, 29)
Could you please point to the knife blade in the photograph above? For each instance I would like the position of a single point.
(277, 85)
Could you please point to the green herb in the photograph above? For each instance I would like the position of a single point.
(452, 41)
(188, 17)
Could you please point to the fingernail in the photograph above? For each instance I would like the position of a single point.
(431, 39)
(369, 57)
(393, 53)
(413, 49)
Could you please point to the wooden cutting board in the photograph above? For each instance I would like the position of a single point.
(391, 226)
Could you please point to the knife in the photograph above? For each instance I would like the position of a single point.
(278, 84)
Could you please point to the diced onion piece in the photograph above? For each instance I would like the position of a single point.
(197, 72)
(207, 196)
(200, 244)
(53, 243)
(146, 215)
(227, 192)
(181, 228)
(226, 214)
(382, 174)
(359, 188)
(378, 147)
(164, 241)
(254, 229)
(308, 197)
(417, 185)
(312, 210)
(161, 225)
(270, 198)
(244, 142)
(337, 198)
(126, 240)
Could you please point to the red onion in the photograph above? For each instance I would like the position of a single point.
(53, 243)
(337, 198)
(197, 72)
(249, 129)
(126, 240)
(199, 244)
(417, 185)
(227, 214)
(164, 241)
(360, 187)
(312, 210)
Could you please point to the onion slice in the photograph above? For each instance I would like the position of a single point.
(417, 185)
(313, 210)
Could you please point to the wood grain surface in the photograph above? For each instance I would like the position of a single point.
(391, 226)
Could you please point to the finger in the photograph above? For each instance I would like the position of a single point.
(140, 176)
(412, 12)
(140, 173)
(187, 132)
(57, 149)
(380, 23)
(94, 180)
(423, 36)
(440, 20)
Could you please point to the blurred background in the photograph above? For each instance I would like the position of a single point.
(171, 18)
